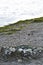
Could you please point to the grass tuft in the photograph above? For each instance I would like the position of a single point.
(12, 28)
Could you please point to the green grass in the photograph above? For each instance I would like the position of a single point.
(38, 20)
(12, 28)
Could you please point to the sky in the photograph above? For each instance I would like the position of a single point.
(13, 10)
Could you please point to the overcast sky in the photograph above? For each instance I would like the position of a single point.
(13, 10)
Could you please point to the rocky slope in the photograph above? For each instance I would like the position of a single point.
(23, 34)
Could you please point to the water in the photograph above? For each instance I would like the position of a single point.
(13, 10)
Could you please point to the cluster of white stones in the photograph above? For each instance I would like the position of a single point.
(7, 50)
(23, 51)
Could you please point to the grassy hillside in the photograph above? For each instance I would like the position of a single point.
(12, 28)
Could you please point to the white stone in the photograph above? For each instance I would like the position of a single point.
(27, 50)
(20, 49)
(40, 51)
(19, 60)
(12, 49)
(6, 51)
(34, 52)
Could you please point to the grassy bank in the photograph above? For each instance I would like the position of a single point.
(12, 28)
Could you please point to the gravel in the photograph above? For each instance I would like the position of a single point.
(32, 35)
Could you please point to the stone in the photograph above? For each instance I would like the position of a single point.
(22, 51)
(12, 49)
(19, 60)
